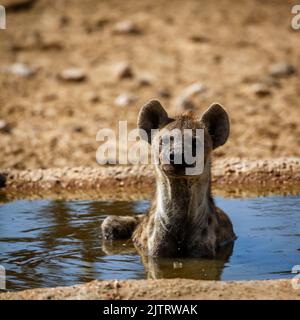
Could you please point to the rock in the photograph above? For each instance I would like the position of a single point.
(193, 90)
(92, 25)
(126, 27)
(49, 97)
(123, 70)
(78, 129)
(36, 175)
(92, 97)
(20, 69)
(125, 99)
(64, 20)
(145, 79)
(186, 105)
(260, 89)
(72, 74)
(217, 58)
(164, 93)
(282, 69)
(185, 99)
(4, 126)
(199, 38)
(51, 44)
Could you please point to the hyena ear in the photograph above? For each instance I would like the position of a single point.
(216, 120)
(152, 116)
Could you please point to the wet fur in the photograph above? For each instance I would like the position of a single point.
(183, 219)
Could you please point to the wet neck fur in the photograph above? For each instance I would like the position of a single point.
(181, 201)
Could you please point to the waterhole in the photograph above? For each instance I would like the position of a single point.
(47, 243)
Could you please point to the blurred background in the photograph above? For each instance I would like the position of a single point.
(69, 68)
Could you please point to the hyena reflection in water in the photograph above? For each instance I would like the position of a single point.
(183, 220)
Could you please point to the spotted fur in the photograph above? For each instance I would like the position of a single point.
(183, 219)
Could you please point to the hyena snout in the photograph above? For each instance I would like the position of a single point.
(178, 161)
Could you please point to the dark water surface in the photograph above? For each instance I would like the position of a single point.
(46, 243)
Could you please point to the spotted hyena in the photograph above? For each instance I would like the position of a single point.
(183, 219)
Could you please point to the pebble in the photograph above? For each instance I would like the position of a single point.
(36, 175)
(72, 74)
(260, 89)
(125, 99)
(123, 70)
(145, 79)
(282, 69)
(4, 127)
(193, 90)
(186, 105)
(92, 97)
(50, 97)
(126, 27)
(20, 69)
(199, 38)
(164, 93)
(185, 99)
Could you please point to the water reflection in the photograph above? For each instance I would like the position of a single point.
(201, 269)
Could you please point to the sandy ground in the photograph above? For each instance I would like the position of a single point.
(165, 290)
(229, 47)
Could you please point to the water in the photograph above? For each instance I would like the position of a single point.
(46, 243)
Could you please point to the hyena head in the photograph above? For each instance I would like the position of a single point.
(182, 145)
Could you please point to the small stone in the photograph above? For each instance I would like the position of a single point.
(217, 58)
(20, 69)
(145, 79)
(125, 99)
(193, 90)
(164, 93)
(123, 70)
(186, 105)
(92, 25)
(36, 175)
(117, 284)
(4, 127)
(78, 129)
(199, 38)
(92, 97)
(64, 20)
(72, 74)
(126, 27)
(50, 97)
(51, 44)
(185, 99)
(282, 69)
(260, 89)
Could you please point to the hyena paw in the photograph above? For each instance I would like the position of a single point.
(118, 227)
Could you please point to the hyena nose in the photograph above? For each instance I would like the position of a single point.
(177, 160)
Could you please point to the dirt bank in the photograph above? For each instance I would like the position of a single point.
(165, 289)
(282, 173)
